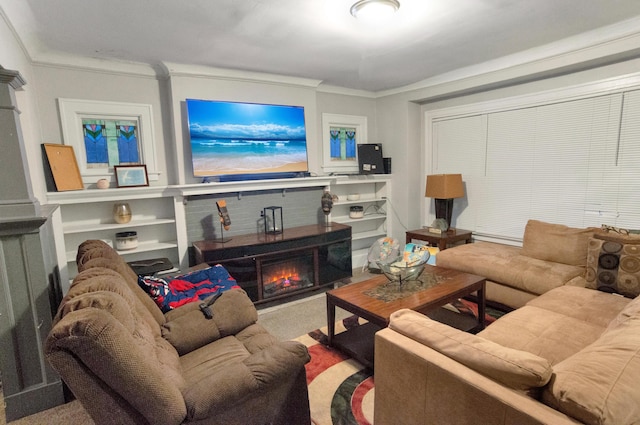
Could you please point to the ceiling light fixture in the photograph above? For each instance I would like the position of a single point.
(374, 9)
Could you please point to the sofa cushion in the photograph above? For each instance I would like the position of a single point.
(587, 305)
(550, 335)
(514, 368)
(221, 375)
(599, 384)
(556, 242)
(187, 328)
(504, 264)
(613, 264)
(632, 309)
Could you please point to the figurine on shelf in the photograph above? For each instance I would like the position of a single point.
(224, 214)
(327, 204)
(225, 220)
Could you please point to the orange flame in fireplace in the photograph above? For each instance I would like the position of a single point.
(286, 275)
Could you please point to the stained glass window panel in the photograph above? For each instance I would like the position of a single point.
(342, 143)
(110, 142)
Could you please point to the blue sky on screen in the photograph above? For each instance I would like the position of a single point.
(215, 119)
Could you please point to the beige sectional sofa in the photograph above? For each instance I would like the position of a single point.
(552, 255)
(569, 356)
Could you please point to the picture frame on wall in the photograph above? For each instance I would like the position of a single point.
(63, 166)
(341, 135)
(131, 175)
(108, 134)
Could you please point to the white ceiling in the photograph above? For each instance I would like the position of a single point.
(319, 39)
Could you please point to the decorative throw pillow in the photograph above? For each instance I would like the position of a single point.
(171, 293)
(613, 264)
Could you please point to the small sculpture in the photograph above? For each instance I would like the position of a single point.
(440, 224)
(327, 204)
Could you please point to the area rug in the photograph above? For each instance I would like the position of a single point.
(341, 390)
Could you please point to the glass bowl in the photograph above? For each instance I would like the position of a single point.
(399, 271)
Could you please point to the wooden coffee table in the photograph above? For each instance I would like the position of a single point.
(357, 298)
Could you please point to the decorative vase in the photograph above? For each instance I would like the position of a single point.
(121, 212)
(102, 184)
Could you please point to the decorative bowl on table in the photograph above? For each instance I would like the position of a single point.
(400, 271)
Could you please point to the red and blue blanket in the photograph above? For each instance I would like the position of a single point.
(172, 292)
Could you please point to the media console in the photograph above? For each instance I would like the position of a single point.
(270, 267)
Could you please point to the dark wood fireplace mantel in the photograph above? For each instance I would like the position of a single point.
(245, 257)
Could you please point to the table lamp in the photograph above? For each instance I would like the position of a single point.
(444, 188)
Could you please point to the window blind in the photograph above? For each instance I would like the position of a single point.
(575, 162)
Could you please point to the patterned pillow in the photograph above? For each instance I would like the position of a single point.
(613, 264)
(156, 287)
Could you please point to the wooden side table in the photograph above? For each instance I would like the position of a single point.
(440, 240)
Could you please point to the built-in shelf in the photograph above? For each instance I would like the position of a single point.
(369, 235)
(88, 214)
(250, 185)
(367, 217)
(142, 247)
(160, 222)
(83, 228)
(374, 192)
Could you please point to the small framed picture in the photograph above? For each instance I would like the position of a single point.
(131, 175)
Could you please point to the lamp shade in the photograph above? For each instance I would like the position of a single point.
(444, 186)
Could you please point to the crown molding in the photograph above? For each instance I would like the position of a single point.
(618, 42)
(61, 60)
(170, 69)
(326, 88)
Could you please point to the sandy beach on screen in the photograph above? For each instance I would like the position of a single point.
(287, 168)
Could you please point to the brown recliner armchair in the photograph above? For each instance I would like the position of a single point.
(128, 363)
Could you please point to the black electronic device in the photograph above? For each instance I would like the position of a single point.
(370, 158)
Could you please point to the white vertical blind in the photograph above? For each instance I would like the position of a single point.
(509, 179)
(628, 164)
(575, 162)
(460, 148)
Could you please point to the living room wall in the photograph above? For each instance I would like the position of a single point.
(14, 57)
(166, 95)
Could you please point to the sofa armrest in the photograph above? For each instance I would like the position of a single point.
(187, 328)
(517, 369)
(433, 388)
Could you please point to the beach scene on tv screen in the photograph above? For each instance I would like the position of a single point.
(246, 138)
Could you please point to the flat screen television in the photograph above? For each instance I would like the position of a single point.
(235, 140)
